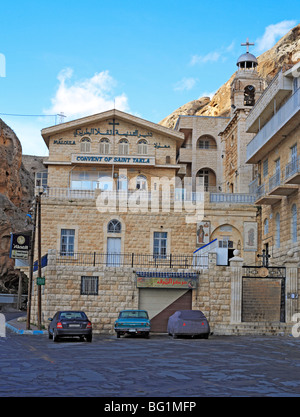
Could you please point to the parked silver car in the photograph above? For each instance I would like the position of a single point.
(188, 323)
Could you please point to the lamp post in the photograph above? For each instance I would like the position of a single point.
(39, 262)
(36, 219)
(31, 266)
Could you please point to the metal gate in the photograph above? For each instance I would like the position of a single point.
(263, 294)
(168, 301)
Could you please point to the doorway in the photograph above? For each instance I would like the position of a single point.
(113, 251)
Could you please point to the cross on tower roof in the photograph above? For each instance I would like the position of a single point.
(247, 44)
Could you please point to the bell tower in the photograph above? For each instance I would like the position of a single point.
(246, 88)
(247, 85)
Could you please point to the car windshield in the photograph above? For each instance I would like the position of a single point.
(191, 314)
(133, 315)
(72, 315)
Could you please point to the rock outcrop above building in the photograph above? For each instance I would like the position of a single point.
(286, 52)
(16, 195)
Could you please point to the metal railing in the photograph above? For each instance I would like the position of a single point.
(132, 260)
(292, 168)
(274, 181)
(68, 193)
(232, 198)
(261, 191)
(279, 119)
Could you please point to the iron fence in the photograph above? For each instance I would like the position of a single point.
(132, 260)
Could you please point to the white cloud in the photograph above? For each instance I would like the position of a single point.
(185, 84)
(213, 56)
(28, 131)
(207, 94)
(273, 33)
(202, 59)
(90, 96)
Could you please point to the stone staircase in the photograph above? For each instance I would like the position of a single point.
(253, 328)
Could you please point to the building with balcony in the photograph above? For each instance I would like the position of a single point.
(112, 196)
(274, 150)
(130, 209)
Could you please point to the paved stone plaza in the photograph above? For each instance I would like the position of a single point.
(222, 366)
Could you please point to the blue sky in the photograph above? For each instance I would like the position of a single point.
(146, 58)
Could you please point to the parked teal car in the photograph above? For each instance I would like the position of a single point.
(133, 322)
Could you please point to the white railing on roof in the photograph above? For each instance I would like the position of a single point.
(232, 198)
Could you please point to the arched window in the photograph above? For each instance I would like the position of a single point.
(206, 142)
(104, 146)
(142, 147)
(85, 145)
(249, 95)
(141, 182)
(123, 147)
(266, 226)
(277, 231)
(114, 226)
(294, 223)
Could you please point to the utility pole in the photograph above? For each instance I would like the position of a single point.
(31, 266)
(39, 263)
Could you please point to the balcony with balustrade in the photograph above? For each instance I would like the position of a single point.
(273, 191)
(263, 198)
(284, 121)
(277, 186)
(268, 103)
(292, 172)
(206, 195)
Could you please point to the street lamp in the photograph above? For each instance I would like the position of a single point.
(36, 216)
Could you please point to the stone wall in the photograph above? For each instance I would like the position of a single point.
(117, 290)
(218, 295)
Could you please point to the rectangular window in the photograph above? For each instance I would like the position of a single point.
(277, 172)
(41, 179)
(160, 245)
(203, 144)
(89, 286)
(67, 240)
(265, 167)
(294, 157)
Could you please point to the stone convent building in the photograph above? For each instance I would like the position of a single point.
(135, 215)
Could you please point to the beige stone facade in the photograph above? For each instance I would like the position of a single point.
(125, 196)
(274, 151)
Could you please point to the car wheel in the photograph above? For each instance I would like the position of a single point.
(147, 335)
(174, 336)
(206, 336)
(54, 337)
(89, 338)
(50, 335)
(118, 335)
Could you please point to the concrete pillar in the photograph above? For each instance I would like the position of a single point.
(236, 264)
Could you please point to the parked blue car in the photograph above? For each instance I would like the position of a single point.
(133, 322)
(188, 323)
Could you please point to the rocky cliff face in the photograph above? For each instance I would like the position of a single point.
(285, 52)
(16, 194)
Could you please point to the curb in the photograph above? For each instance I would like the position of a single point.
(20, 331)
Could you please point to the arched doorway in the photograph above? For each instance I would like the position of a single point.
(229, 239)
(206, 177)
